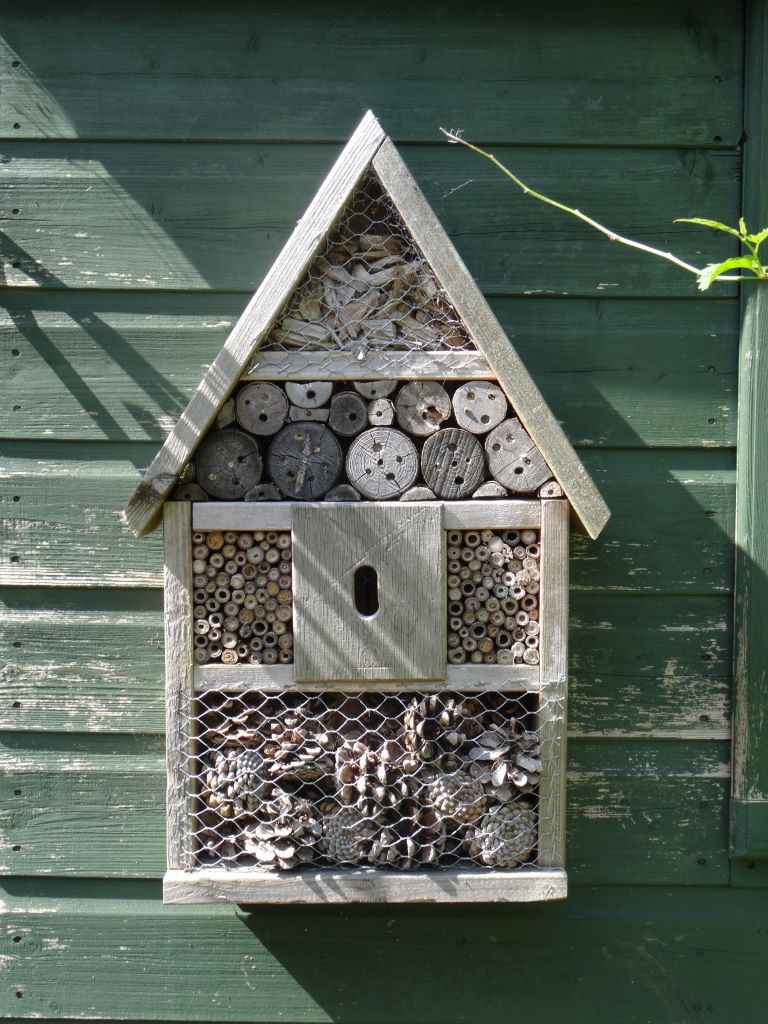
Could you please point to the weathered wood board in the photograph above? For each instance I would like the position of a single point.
(170, 217)
(59, 676)
(617, 373)
(639, 812)
(238, 85)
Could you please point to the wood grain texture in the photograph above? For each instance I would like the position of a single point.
(86, 215)
(289, 957)
(750, 753)
(346, 366)
(617, 373)
(179, 686)
(640, 812)
(365, 886)
(489, 337)
(405, 638)
(226, 515)
(283, 276)
(226, 77)
(553, 669)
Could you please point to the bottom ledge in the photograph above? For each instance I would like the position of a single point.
(523, 885)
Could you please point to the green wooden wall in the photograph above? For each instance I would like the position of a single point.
(153, 158)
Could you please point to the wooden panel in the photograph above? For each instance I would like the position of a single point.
(177, 618)
(171, 217)
(250, 515)
(629, 954)
(750, 758)
(365, 886)
(640, 665)
(553, 669)
(670, 532)
(639, 811)
(373, 365)
(405, 638)
(626, 373)
(655, 74)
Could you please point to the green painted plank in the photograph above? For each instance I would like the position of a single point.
(750, 780)
(627, 954)
(92, 661)
(670, 529)
(633, 75)
(617, 373)
(214, 216)
(650, 813)
(647, 666)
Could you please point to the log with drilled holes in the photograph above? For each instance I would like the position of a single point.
(228, 464)
(452, 463)
(305, 460)
(382, 463)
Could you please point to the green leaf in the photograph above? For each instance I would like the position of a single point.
(714, 224)
(715, 270)
(742, 227)
(759, 238)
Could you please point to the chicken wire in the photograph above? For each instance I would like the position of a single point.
(370, 287)
(289, 780)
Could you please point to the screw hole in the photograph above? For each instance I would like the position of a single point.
(718, 138)
(16, 848)
(17, 643)
(16, 704)
(16, 125)
(15, 352)
(17, 938)
(15, 559)
(17, 497)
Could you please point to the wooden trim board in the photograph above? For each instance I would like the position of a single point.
(278, 515)
(374, 365)
(275, 678)
(246, 886)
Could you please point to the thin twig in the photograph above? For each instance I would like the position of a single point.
(612, 236)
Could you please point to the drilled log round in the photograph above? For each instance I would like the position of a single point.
(452, 463)
(263, 492)
(375, 388)
(228, 464)
(342, 492)
(381, 412)
(382, 463)
(551, 489)
(479, 406)
(305, 460)
(513, 458)
(418, 494)
(189, 492)
(490, 489)
(348, 414)
(422, 406)
(309, 394)
(296, 414)
(261, 409)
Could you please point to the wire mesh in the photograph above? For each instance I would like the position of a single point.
(370, 287)
(281, 781)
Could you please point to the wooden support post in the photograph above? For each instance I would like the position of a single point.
(179, 672)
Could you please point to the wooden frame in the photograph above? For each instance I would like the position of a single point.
(749, 804)
(546, 880)
(369, 148)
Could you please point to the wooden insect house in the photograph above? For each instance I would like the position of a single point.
(365, 509)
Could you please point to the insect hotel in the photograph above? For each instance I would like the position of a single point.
(366, 509)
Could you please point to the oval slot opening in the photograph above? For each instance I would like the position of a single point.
(366, 591)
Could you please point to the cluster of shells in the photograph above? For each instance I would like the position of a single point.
(383, 780)
(493, 602)
(369, 288)
(243, 598)
(366, 440)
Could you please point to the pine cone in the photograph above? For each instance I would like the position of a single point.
(346, 834)
(457, 796)
(416, 839)
(437, 725)
(504, 837)
(286, 836)
(234, 782)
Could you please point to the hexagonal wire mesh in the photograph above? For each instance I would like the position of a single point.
(287, 780)
(370, 287)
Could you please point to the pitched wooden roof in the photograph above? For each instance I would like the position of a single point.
(369, 148)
